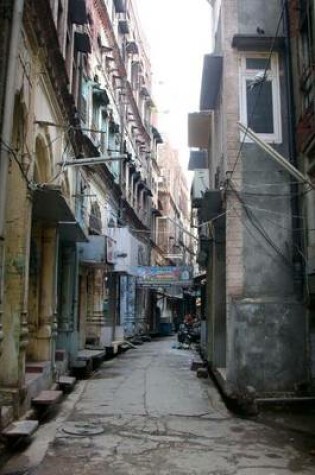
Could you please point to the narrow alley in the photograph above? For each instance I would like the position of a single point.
(146, 412)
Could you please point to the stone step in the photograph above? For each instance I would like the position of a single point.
(37, 366)
(19, 430)
(196, 364)
(66, 383)
(47, 398)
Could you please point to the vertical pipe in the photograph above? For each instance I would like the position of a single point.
(6, 131)
(297, 237)
(7, 125)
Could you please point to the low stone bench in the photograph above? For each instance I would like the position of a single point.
(196, 364)
(18, 431)
(116, 345)
(66, 383)
(46, 400)
(202, 373)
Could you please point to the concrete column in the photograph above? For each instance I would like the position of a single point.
(66, 274)
(15, 328)
(47, 297)
(96, 297)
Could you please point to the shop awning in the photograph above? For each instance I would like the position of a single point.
(199, 129)
(211, 81)
(50, 207)
(71, 232)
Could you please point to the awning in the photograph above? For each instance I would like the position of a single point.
(71, 232)
(198, 278)
(199, 129)
(257, 42)
(51, 208)
(101, 95)
(211, 81)
(198, 160)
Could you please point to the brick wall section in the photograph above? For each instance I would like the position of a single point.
(234, 227)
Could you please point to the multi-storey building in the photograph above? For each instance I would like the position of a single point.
(76, 186)
(245, 196)
(173, 235)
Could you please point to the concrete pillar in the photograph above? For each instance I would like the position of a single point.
(96, 297)
(47, 296)
(67, 276)
(15, 328)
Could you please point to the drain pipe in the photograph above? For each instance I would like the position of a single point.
(6, 130)
(297, 237)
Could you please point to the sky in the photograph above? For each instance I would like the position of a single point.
(179, 35)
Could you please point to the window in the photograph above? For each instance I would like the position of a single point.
(260, 96)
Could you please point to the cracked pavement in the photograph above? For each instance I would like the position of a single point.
(146, 412)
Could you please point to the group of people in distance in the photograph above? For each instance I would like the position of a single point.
(189, 330)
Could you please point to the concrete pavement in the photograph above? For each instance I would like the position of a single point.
(146, 412)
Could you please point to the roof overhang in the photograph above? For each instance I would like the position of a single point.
(199, 129)
(257, 42)
(50, 207)
(71, 232)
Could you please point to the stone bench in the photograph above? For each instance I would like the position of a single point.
(46, 400)
(66, 383)
(86, 361)
(18, 431)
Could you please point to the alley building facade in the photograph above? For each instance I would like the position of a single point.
(245, 196)
(79, 189)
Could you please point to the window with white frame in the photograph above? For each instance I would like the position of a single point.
(260, 95)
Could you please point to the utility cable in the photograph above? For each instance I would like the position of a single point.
(14, 155)
(258, 226)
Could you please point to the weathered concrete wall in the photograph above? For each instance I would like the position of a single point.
(257, 13)
(265, 323)
(268, 345)
(267, 260)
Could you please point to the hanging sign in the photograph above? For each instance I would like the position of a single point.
(163, 276)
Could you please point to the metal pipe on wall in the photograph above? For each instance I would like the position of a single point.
(6, 132)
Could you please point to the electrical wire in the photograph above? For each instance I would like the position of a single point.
(278, 195)
(260, 87)
(278, 213)
(14, 155)
(258, 226)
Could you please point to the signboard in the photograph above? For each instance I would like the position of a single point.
(162, 276)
